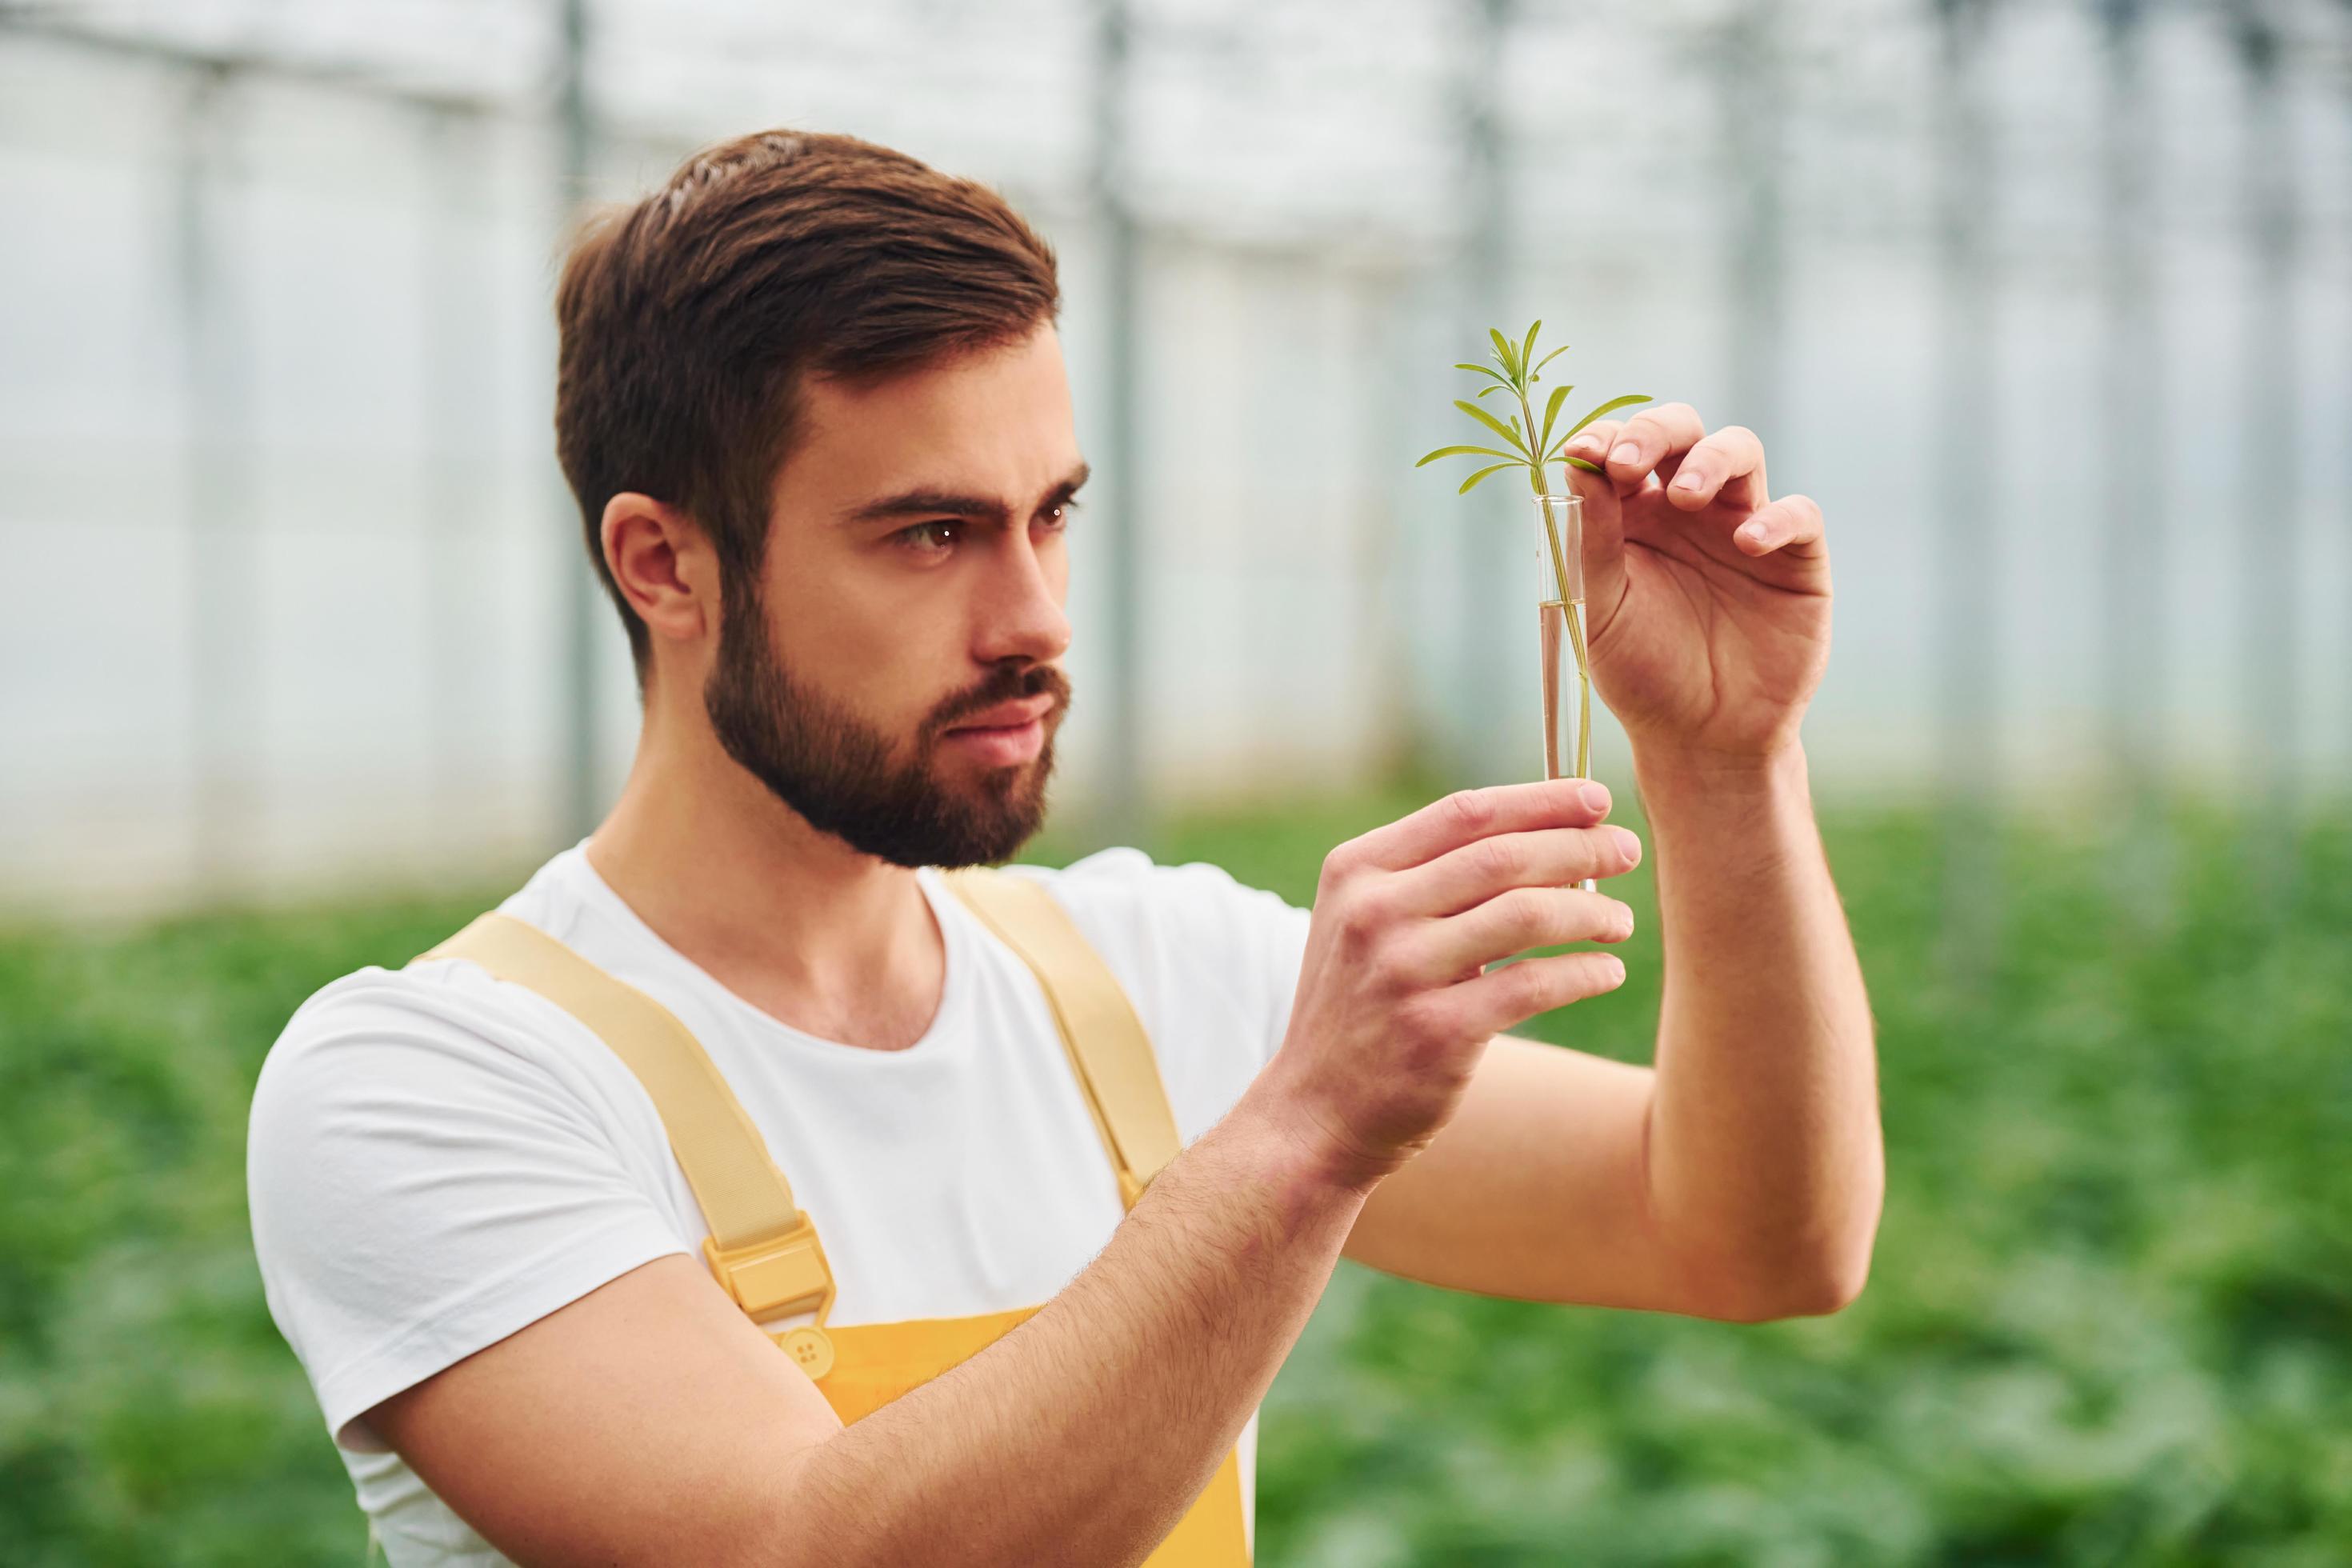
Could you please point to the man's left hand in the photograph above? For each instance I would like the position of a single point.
(1708, 603)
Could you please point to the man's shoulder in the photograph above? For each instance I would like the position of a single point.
(436, 1009)
(1126, 879)
(1194, 915)
(424, 1027)
(426, 992)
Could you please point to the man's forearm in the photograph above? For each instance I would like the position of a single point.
(1765, 1161)
(1082, 1435)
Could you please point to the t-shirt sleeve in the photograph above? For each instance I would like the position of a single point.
(424, 1181)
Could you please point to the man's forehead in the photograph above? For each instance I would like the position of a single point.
(998, 421)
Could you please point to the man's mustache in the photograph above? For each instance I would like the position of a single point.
(1014, 686)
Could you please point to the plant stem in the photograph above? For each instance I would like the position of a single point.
(1583, 692)
(1560, 582)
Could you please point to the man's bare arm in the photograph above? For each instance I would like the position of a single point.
(649, 1421)
(1739, 1178)
(1765, 1150)
(1535, 1189)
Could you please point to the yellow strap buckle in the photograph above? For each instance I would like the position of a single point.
(777, 1276)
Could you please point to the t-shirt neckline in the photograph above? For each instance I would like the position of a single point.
(586, 881)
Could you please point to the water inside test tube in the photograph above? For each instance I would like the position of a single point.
(1560, 692)
(1559, 665)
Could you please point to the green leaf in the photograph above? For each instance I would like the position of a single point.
(1483, 370)
(1549, 357)
(1482, 473)
(1505, 386)
(1530, 346)
(1463, 452)
(1551, 413)
(1491, 423)
(1588, 467)
(1612, 405)
(1503, 351)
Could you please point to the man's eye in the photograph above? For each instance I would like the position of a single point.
(917, 537)
(1061, 514)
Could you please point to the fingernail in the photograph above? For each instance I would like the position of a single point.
(1627, 843)
(1585, 445)
(1686, 481)
(1614, 966)
(1594, 797)
(1754, 532)
(1626, 452)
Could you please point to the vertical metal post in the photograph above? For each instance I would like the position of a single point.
(1491, 536)
(1382, 646)
(1755, 149)
(1966, 624)
(452, 371)
(1127, 805)
(224, 665)
(2133, 658)
(2269, 493)
(583, 798)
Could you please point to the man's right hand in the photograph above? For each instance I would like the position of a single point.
(1394, 1004)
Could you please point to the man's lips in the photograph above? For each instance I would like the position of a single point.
(1008, 716)
(1005, 745)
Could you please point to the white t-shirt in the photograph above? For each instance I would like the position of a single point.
(437, 1159)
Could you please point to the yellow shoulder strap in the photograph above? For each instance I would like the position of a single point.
(1106, 1041)
(763, 1249)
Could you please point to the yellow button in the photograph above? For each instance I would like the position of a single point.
(810, 1350)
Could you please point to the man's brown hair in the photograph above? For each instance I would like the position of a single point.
(689, 319)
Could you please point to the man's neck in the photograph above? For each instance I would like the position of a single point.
(834, 942)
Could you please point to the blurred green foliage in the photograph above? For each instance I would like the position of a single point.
(2110, 1318)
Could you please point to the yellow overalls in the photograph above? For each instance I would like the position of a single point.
(764, 1250)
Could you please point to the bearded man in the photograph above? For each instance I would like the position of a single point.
(768, 1180)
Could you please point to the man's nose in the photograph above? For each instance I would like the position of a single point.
(1021, 617)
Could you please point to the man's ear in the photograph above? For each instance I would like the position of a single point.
(665, 566)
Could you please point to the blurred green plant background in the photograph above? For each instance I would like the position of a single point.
(2110, 1318)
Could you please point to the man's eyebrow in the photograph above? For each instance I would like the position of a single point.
(948, 503)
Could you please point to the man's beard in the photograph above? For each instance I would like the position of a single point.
(836, 771)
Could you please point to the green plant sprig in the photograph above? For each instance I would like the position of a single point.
(1519, 372)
